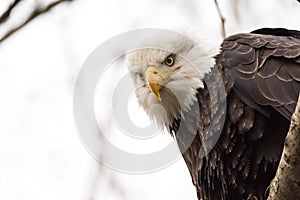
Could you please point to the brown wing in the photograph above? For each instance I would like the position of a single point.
(265, 68)
(260, 73)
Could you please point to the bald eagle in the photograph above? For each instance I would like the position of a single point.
(260, 74)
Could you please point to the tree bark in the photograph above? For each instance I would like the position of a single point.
(286, 184)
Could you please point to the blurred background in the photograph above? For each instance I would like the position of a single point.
(42, 47)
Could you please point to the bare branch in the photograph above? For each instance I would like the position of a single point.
(221, 18)
(286, 184)
(6, 14)
(35, 13)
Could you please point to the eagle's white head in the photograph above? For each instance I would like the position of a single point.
(166, 80)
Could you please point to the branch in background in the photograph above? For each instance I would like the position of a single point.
(6, 14)
(286, 184)
(103, 173)
(222, 19)
(35, 13)
(235, 7)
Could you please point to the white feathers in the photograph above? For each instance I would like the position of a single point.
(178, 94)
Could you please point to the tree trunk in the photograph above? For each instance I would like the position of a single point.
(286, 184)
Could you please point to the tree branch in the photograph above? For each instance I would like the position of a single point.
(35, 13)
(6, 14)
(286, 184)
(221, 18)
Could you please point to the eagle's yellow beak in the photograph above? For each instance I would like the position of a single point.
(154, 80)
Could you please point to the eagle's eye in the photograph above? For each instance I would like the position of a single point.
(170, 60)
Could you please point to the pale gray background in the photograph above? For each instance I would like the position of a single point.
(41, 156)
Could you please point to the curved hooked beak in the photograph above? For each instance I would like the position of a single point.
(156, 80)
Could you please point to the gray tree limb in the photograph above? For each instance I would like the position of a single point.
(34, 14)
(223, 31)
(286, 184)
(6, 14)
